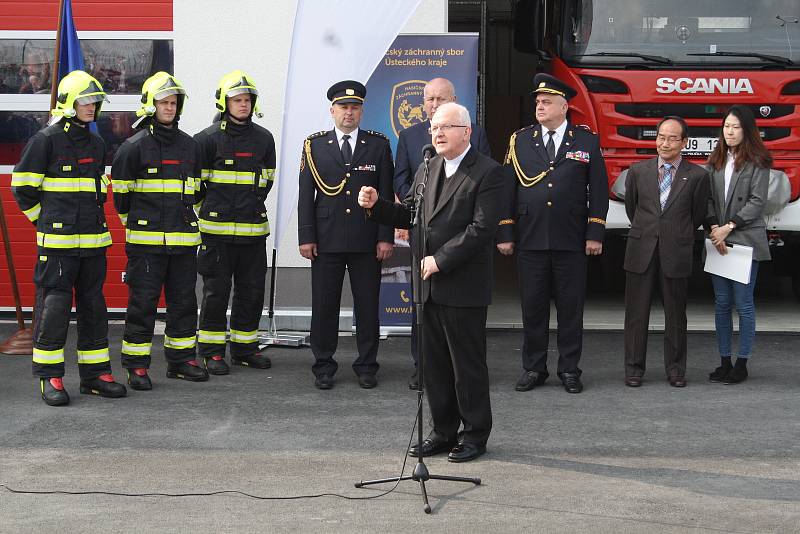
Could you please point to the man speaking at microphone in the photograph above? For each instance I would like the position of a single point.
(461, 210)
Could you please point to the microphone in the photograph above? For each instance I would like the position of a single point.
(428, 152)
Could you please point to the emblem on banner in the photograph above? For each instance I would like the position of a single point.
(406, 105)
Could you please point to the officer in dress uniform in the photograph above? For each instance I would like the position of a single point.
(335, 233)
(558, 200)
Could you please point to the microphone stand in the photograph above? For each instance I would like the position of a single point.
(421, 473)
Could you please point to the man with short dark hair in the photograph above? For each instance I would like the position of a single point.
(666, 200)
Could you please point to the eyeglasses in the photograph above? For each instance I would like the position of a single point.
(671, 139)
(444, 128)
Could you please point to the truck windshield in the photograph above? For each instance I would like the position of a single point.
(706, 33)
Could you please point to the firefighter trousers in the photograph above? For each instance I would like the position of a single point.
(245, 265)
(56, 277)
(146, 275)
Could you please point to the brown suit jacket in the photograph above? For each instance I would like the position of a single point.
(671, 230)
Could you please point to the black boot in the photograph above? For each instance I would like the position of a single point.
(138, 379)
(103, 385)
(738, 373)
(257, 360)
(190, 371)
(53, 392)
(722, 371)
(216, 365)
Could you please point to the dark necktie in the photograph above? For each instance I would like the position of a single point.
(551, 146)
(347, 151)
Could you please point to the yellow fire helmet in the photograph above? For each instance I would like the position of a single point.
(78, 87)
(236, 83)
(157, 87)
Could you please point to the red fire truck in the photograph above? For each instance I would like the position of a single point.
(634, 62)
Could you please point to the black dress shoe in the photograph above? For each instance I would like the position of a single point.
(633, 381)
(530, 379)
(257, 360)
(572, 382)
(367, 381)
(719, 374)
(466, 451)
(677, 381)
(738, 373)
(138, 379)
(103, 385)
(53, 392)
(324, 382)
(413, 382)
(190, 371)
(215, 365)
(432, 446)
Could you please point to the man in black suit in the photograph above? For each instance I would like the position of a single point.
(461, 211)
(334, 233)
(666, 200)
(436, 92)
(558, 200)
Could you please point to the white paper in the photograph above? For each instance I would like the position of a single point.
(735, 265)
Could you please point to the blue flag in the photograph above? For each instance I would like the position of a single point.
(70, 56)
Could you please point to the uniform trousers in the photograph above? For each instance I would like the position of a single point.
(222, 264)
(146, 275)
(560, 274)
(455, 373)
(56, 277)
(639, 289)
(327, 276)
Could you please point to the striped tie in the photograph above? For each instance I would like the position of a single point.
(665, 184)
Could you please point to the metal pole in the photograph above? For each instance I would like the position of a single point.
(56, 58)
(21, 342)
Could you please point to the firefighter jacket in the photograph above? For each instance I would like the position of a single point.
(60, 186)
(155, 175)
(238, 170)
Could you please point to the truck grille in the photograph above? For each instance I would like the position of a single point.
(657, 110)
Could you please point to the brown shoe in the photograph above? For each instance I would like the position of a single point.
(677, 381)
(633, 381)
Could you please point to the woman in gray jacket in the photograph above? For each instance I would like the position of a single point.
(739, 170)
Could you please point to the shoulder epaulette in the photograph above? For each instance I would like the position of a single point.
(377, 134)
(317, 134)
(526, 128)
(585, 127)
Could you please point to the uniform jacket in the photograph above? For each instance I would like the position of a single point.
(460, 228)
(409, 153)
(744, 205)
(336, 223)
(61, 187)
(155, 179)
(671, 230)
(568, 205)
(238, 170)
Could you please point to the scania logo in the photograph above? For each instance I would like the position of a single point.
(725, 86)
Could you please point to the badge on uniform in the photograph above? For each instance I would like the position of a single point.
(578, 155)
(366, 168)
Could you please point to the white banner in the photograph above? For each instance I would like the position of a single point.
(333, 40)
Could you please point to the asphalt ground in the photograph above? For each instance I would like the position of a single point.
(707, 458)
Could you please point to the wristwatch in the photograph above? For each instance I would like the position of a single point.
(731, 226)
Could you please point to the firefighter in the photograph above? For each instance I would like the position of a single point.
(155, 173)
(60, 186)
(238, 170)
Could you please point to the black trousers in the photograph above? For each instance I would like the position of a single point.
(560, 274)
(146, 275)
(327, 275)
(56, 277)
(221, 265)
(639, 289)
(455, 373)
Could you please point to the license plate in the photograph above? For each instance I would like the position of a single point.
(701, 145)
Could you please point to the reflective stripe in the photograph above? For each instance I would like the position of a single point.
(158, 186)
(69, 185)
(207, 336)
(33, 213)
(136, 349)
(173, 239)
(48, 356)
(229, 177)
(22, 179)
(189, 186)
(93, 356)
(124, 218)
(238, 336)
(74, 240)
(234, 228)
(179, 342)
(267, 176)
(122, 186)
(105, 180)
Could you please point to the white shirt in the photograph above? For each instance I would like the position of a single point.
(451, 165)
(557, 137)
(353, 136)
(729, 162)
